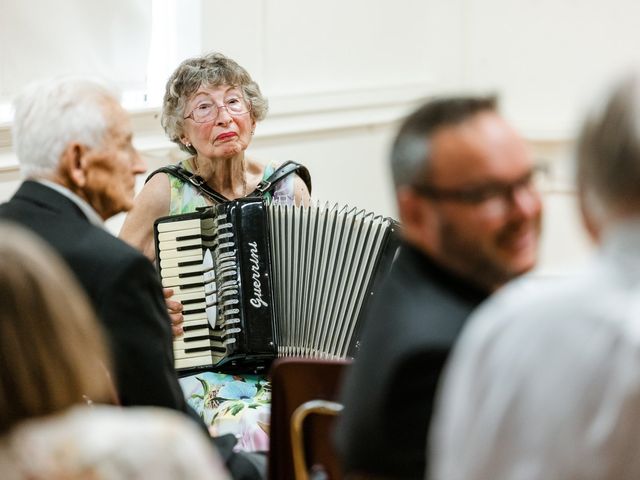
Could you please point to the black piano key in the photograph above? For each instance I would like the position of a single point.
(188, 247)
(189, 264)
(191, 285)
(189, 274)
(205, 349)
(187, 237)
(192, 301)
(188, 328)
(191, 312)
(213, 338)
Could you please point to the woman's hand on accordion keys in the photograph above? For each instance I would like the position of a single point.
(174, 309)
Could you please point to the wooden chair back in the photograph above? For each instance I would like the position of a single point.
(303, 409)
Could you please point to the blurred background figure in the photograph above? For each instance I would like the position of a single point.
(544, 383)
(210, 110)
(470, 217)
(54, 367)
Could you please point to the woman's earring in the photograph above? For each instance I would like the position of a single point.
(188, 145)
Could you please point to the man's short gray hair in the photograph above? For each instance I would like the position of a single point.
(608, 151)
(411, 149)
(51, 114)
(209, 70)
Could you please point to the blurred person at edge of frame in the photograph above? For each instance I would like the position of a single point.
(57, 418)
(470, 215)
(544, 382)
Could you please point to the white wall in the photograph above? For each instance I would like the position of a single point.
(340, 75)
(548, 58)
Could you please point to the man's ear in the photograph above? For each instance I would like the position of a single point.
(418, 218)
(73, 166)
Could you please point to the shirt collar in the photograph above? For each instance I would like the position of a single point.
(444, 276)
(87, 209)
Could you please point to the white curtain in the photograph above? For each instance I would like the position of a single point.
(43, 38)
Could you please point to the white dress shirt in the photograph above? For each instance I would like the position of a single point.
(544, 383)
(84, 206)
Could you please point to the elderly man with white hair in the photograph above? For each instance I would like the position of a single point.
(545, 381)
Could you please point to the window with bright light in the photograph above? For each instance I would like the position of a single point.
(133, 44)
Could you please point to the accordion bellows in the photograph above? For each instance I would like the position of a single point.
(259, 281)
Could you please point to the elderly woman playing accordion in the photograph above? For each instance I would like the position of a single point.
(211, 107)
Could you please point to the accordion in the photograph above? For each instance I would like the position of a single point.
(259, 281)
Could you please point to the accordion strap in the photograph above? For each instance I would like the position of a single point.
(192, 178)
(287, 168)
(264, 187)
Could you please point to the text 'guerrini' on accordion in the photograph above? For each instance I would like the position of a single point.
(259, 281)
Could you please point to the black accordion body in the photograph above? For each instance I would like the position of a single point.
(260, 281)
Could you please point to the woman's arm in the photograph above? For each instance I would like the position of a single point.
(152, 202)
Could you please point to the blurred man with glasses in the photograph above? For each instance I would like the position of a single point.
(471, 222)
(543, 383)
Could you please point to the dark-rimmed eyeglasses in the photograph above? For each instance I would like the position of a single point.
(207, 110)
(479, 194)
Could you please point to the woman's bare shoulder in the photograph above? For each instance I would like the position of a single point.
(155, 195)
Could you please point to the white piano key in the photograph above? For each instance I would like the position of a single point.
(180, 290)
(192, 317)
(178, 225)
(193, 305)
(173, 244)
(199, 322)
(193, 362)
(197, 333)
(175, 262)
(182, 297)
(175, 271)
(200, 316)
(181, 344)
(173, 281)
(165, 254)
(172, 235)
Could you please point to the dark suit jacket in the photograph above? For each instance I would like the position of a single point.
(389, 389)
(123, 287)
(125, 290)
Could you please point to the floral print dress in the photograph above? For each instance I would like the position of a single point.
(237, 404)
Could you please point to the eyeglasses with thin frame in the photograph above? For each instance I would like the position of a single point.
(207, 110)
(480, 194)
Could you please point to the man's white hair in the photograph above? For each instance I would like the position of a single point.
(608, 151)
(51, 114)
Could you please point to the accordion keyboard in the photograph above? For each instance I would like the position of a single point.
(187, 270)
